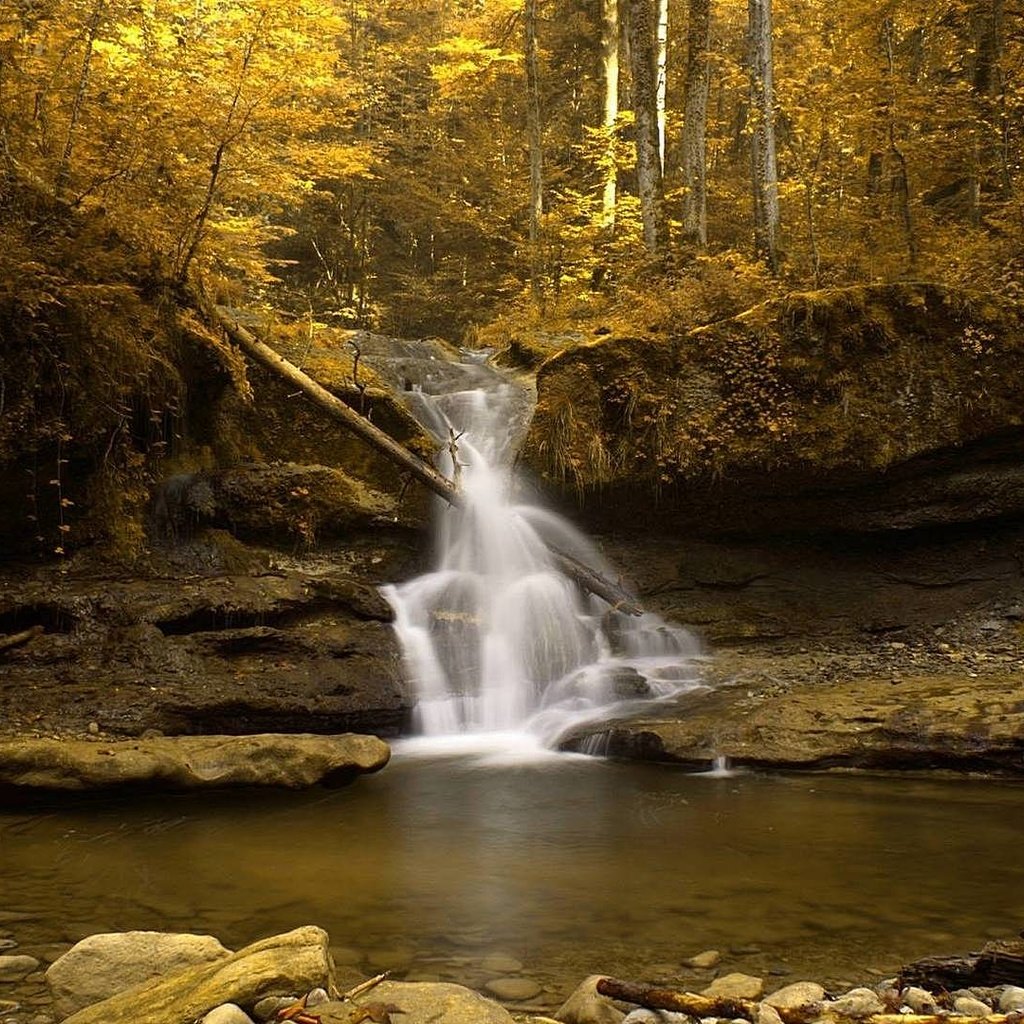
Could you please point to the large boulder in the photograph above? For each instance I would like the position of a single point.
(867, 408)
(296, 961)
(188, 762)
(102, 965)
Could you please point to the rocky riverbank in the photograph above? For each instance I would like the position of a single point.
(167, 978)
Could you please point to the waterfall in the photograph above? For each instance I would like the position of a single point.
(495, 639)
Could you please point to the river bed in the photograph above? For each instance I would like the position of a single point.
(570, 865)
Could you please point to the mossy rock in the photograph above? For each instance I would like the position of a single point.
(811, 390)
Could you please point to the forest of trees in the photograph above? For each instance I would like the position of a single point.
(435, 167)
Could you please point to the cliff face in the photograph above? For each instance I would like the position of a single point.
(860, 409)
(840, 460)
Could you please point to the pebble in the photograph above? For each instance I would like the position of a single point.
(513, 989)
(9, 1006)
(227, 1013)
(266, 1009)
(971, 1007)
(798, 994)
(702, 961)
(858, 1002)
(767, 1015)
(735, 986)
(7, 944)
(920, 1000)
(1011, 999)
(16, 968)
(317, 996)
(501, 963)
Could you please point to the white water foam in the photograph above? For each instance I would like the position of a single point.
(501, 647)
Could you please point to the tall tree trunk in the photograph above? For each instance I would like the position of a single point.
(92, 30)
(533, 132)
(695, 119)
(648, 161)
(989, 170)
(662, 77)
(610, 65)
(764, 174)
(901, 175)
(625, 56)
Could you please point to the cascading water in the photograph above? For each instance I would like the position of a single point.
(496, 639)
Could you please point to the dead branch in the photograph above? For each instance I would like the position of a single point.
(8, 643)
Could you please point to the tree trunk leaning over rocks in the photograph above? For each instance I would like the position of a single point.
(262, 353)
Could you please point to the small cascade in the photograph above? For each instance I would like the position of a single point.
(496, 640)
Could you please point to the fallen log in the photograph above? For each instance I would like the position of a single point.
(8, 643)
(654, 998)
(422, 471)
(998, 963)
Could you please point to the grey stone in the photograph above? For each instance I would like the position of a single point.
(102, 965)
(293, 962)
(266, 1009)
(17, 967)
(800, 993)
(735, 986)
(513, 990)
(189, 762)
(1011, 999)
(919, 1000)
(317, 996)
(858, 1002)
(6, 944)
(968, 1006)
(587, 1006)
(227, 1013)
(709, 958)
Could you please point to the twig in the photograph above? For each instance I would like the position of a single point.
(358, 990)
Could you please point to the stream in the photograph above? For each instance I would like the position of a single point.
(572, 865)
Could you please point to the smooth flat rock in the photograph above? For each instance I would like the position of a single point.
(421, 1003)
(513, 990)
(189, 762)
(296, 961)
(947, 721)
(703, 961)
(102, 965)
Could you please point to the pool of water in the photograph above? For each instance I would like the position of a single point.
(571, 865)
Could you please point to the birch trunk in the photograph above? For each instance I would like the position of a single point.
(695, 117)
(648, 162)
(764, 174)
(533, 132)
(610, 63)
(662, 78)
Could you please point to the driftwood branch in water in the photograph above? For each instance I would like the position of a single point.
(655, 998)
(8, 643)
(392, 450)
